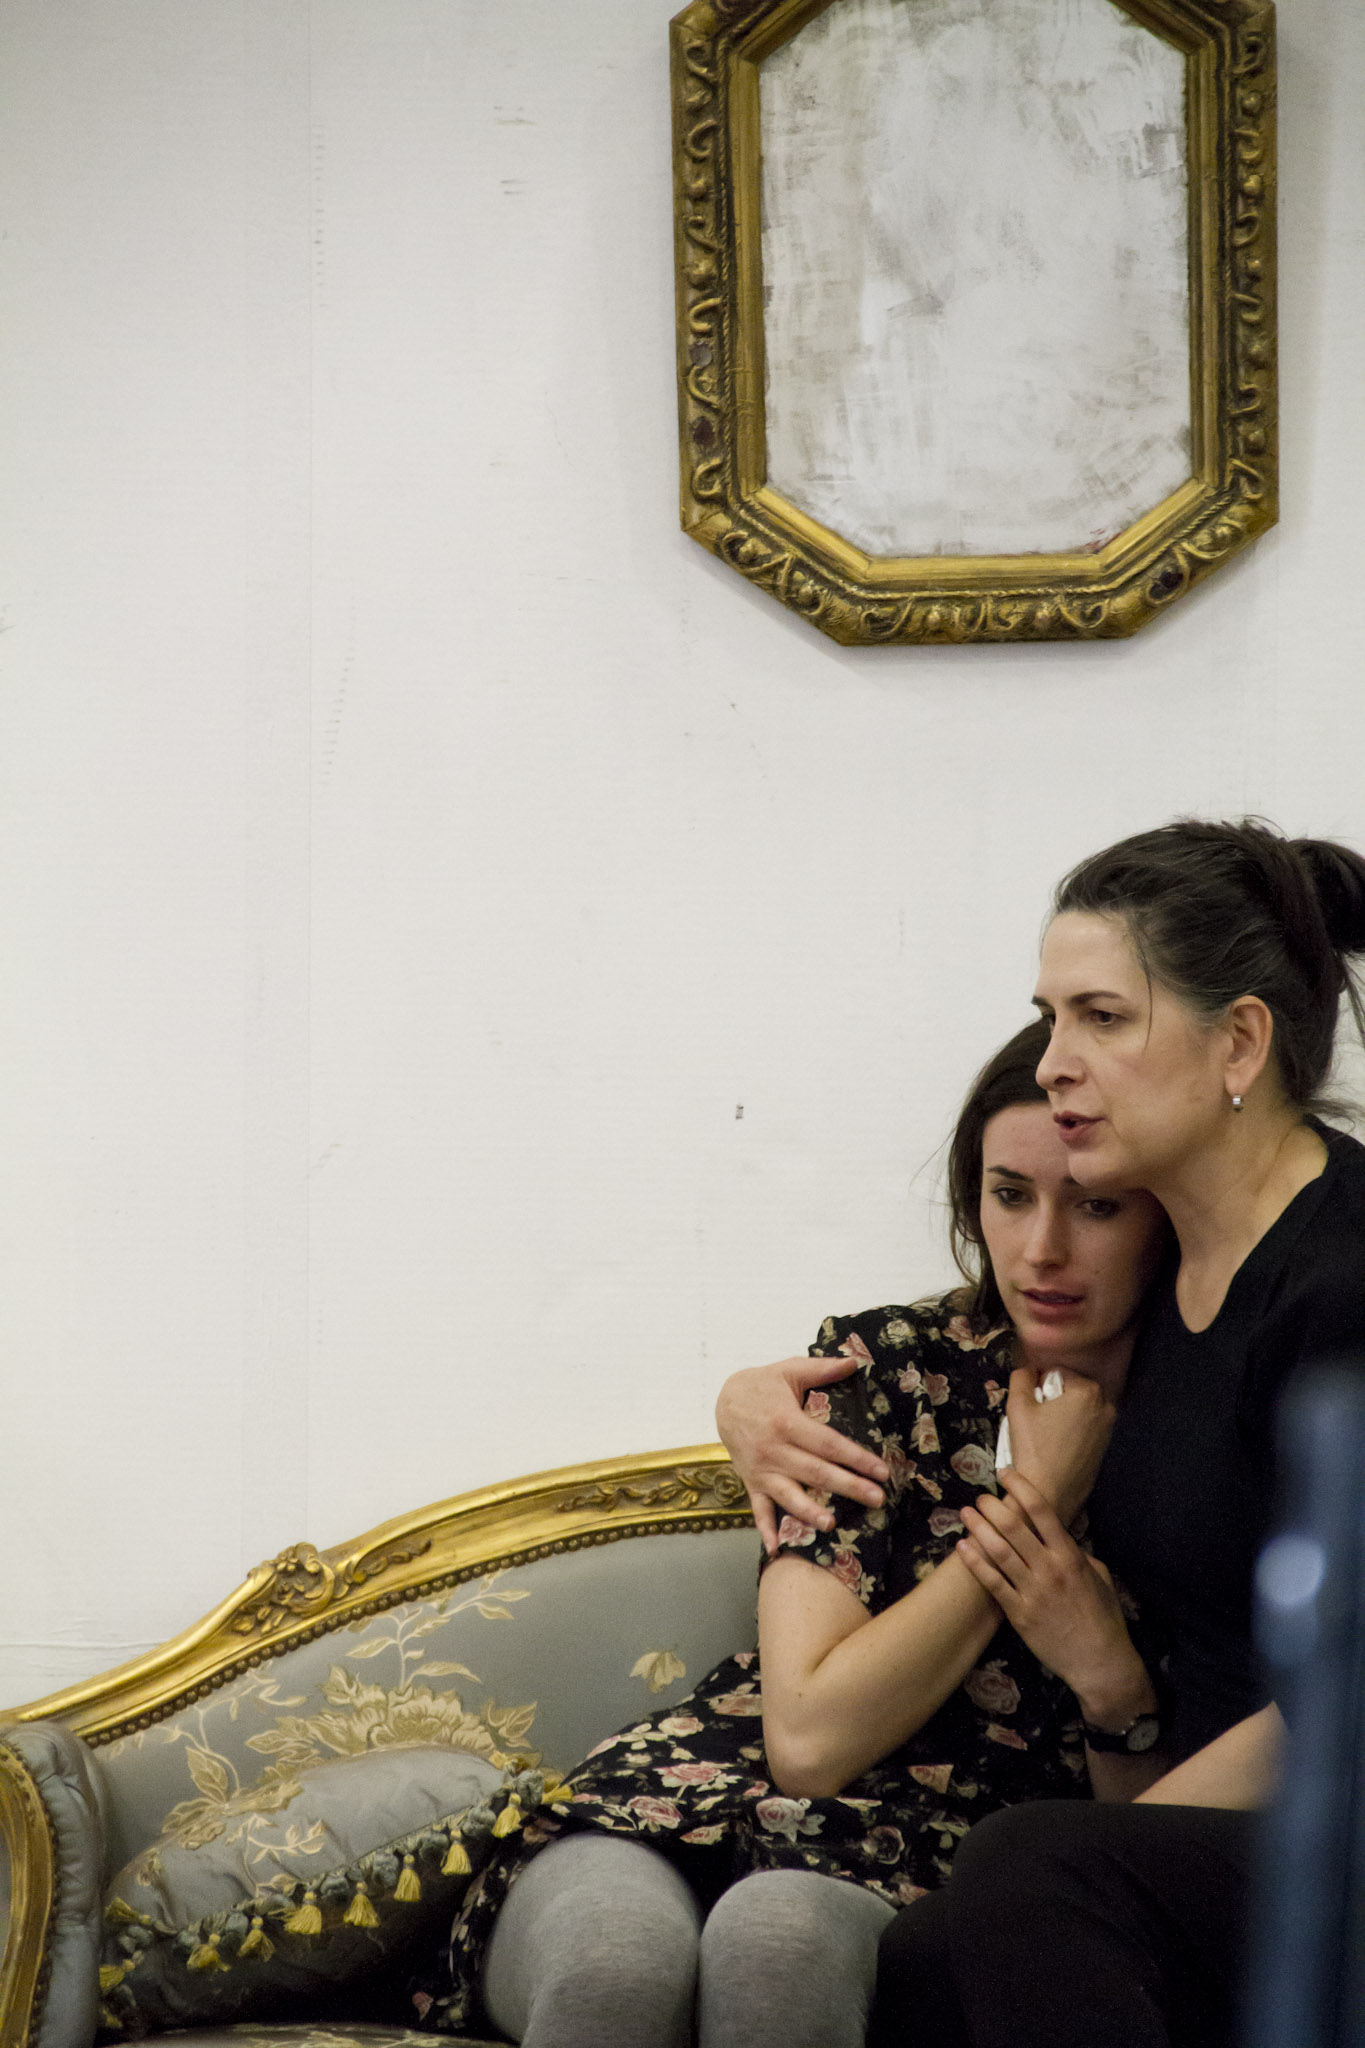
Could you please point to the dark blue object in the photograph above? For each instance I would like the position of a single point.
(1306, 1983)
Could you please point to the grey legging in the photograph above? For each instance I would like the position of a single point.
(601, 1944)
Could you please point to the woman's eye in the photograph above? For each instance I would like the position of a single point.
(1098, 1206)
(1103, 1017)
(1008, 1198)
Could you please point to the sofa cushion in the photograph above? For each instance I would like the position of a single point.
(266, 1904)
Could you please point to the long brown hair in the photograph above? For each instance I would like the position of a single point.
(1007, 1079)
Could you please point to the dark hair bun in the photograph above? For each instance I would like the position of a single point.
(1338, 878)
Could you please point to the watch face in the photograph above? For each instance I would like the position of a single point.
(1143, 1733)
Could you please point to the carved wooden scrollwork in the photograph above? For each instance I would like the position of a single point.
(684, 1488)
(302, 1585)
(857, 598)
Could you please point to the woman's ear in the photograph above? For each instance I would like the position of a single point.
(1251, 1032)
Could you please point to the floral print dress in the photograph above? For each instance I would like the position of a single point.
(693, 1780)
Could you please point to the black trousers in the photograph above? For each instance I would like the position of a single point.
(1071, 1925)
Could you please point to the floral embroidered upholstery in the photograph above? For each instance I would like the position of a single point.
(528, 1665)
(518, 1668)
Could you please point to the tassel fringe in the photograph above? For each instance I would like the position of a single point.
(509, 1820)
(360, 1912)
(258, 1942)
(306, 1918)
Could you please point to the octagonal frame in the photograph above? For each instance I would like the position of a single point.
(863, 599)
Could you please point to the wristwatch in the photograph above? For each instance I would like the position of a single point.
(1136, 1739)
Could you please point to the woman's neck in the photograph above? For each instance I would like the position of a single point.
(1223, 1201)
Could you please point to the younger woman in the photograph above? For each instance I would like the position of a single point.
(745, 1867)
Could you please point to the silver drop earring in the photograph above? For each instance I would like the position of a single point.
(1237, 1102)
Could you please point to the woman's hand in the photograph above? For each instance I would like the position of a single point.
(1058, 1598)
(1059, 1444)
(779, 1450)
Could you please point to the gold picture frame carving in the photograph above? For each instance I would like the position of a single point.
(863, 598)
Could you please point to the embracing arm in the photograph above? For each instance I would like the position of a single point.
(779, 1450)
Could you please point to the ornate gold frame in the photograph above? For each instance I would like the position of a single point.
(26, 1834)
(861, 599)
(305, 1593)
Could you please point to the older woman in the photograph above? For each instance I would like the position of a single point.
(1192, 979)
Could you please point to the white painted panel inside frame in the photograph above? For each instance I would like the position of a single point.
(975, 263)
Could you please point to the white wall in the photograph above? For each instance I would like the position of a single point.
(414, 850)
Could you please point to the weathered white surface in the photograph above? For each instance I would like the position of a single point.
(416, 850)
(974, 256)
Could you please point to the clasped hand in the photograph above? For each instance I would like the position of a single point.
(1059, 1444)
(1057, 1597)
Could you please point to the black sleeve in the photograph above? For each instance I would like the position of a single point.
(1320, 1320)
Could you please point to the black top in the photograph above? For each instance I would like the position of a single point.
(1186, 1493)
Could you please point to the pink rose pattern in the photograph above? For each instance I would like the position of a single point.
(975, 1464)
(694, 1774)
(991, 1688)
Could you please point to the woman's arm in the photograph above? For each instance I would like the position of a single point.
(1239, 1769)
(841, 1687)
(779, 1450)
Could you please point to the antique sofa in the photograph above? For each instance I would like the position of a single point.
(177, 1830)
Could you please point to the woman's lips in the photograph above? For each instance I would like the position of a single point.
(1072, 1129)
(1049, 1305)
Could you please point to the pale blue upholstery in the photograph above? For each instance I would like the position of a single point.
(536, 1662)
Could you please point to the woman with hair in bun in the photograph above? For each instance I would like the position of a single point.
(1192, 979)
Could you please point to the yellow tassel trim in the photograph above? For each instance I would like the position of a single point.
(557, 1793)
(409, 1886)
(360, 1912)
(112, 1975)
(305, 1919)
(119, 1909)
(457, 1863)
(206, 1956)
(258, 1942)
(509, 1820)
